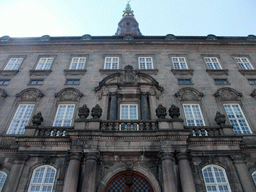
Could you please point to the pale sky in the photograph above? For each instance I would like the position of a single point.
(34, 18)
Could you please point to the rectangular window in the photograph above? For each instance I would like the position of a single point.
(36, 82)
(193, 115)
(73, 81)
(44, 63)
(243, 63)
(252, 81)
(64, 115)
(145, 62)
(77, 63)
(237, 119)
(184, 81)
(179, 63)
(128, 111)
(13, 64)
(111, 63)
(212, 62)
(21, 119)
(220, 81)
(5, 82)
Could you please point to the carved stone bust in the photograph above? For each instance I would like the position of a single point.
(37, 119)
(220, 119)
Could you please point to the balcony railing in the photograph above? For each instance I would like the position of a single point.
(128, 125)
(53, 131)
(204, 131)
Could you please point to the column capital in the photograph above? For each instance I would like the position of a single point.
(167, 156)
(182, 155)
(238, 158)
(20, 158)
(91, 156)
(75, 156)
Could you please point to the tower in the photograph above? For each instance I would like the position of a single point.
(128, 24)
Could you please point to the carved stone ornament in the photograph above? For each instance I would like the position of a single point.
(83, 112)
(37, 119)
(251, 38)
(5, 38)
(96, 112)
(228, 94)
(128, 77)
(86, 37)
(2, 93)
(211, 37)
(30, 94)
(161, 112)
(174, 112)
(68, 94)
(128, 37)
(45, 38)
(170, 37)
(220, 119)
(189, 94)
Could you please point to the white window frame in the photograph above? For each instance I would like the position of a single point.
(14, 63)
(216, 183)
(44, 63)
(146, 63)
(79, 65)
(113, 64)
(212, 63)
(254, 177)
(179, 63)
(239, 129)
(42, 183)
(244, 63)
(129, 110)
(18, 125)
(64, 118)
(3, 177)
(194, 118)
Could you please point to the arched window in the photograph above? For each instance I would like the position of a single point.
(2, 179)
(43, 179)
(254, 177)
(215, 179)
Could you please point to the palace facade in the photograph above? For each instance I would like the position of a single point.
(128, 113)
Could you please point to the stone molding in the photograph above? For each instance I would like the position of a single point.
(247, 71)
(68, 94)
(74, 71)
(8, 72)
(182, 155)
(30, 94)
(228, 94)
(2, 93)
(91, 156)
(39, 72)
(166, 156)
(182, 71)
(189, 94)
(217, 71)
(75, 156)
(238, 158)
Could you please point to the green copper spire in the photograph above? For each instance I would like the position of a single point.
(128, 7)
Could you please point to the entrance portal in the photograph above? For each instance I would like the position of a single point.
(129, 182)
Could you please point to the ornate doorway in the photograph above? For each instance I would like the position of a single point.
(128, 182)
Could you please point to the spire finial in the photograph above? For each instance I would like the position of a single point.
(128, 7)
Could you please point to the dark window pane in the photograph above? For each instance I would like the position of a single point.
(220, 81)
(184, 81)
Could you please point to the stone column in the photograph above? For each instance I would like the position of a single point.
(243, 173)
(72, 174)
(89, 175)
(186, 176)
(113, 107)
(169, 180)
(144, 107)
(13, 178)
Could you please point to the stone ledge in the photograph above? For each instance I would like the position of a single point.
(247, 72)
(8, 72)
(74, 71)
(39, 72)
(217, 71)
(148, 71)
(110, 71)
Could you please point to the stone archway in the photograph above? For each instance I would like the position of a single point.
(129, 181)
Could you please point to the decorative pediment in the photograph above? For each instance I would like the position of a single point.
(128, 78)
(69, 94)
(228, 94)
(189, 94)
(2, 93)
(30, 94)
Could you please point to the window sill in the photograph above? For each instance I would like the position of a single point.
(217, 71)
(247, 71)
(148, 71)
(182, 71)
(74, 71)
(110, 71)
(8, 72)
(39, 72)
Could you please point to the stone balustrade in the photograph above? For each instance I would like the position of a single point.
(53, 131)
(128, 125)
(204, 131)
